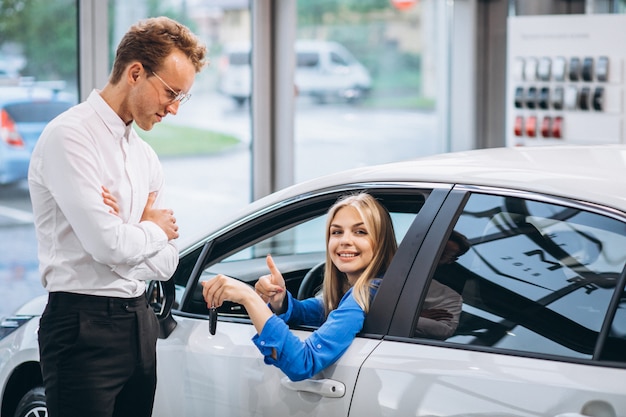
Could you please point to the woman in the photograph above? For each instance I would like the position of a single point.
(360, 245)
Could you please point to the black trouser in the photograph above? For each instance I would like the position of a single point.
(98, 355)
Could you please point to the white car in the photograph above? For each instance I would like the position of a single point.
(543, 325)
(324, 70)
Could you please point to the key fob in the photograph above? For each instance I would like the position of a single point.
(212, 320)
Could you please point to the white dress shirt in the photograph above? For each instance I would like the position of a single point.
(82, 247)
(440, 296)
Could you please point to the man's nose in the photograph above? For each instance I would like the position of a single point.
(173, 107)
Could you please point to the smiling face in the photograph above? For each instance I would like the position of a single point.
(350, 244)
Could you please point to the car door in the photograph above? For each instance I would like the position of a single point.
(224, 374)
(541, 330)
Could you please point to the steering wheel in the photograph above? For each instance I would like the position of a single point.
(312, 281)
(161, 296)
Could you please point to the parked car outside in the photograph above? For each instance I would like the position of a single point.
(24, 112)
(324, 70)
(543, 325)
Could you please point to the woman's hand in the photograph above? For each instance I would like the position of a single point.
(271, 287)
(221, 288)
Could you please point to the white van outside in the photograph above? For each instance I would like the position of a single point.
(324, 71)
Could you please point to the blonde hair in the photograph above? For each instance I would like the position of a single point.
(380, 230)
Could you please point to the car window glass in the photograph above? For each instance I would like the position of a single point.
(33, 112)
(303, 238)
(240, 58)
(338, 59)
(538, 277)
(307, 59)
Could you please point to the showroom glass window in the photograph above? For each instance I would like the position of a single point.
(539, 277)
(38, 79)
(367, 81)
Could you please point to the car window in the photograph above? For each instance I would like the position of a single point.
(35, 112)
(337, 59)
(538, 277)
(239, 58)
(307, 59)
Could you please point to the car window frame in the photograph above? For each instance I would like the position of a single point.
(217, 247)
(418, 279)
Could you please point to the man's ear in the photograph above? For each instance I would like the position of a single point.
(134, 72)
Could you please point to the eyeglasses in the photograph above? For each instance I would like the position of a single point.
(174, 97)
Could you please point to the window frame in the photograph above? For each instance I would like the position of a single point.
(285, 214)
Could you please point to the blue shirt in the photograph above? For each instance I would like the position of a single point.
(302, 359)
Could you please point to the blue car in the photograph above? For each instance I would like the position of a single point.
(24, 112)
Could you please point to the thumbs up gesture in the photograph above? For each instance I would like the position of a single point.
(271, 287)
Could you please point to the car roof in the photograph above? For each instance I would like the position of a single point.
(591, 173)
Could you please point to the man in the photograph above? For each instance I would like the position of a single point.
(96, 190)
(442, 307)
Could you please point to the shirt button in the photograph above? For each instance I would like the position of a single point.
(319, 346)
(262, 343)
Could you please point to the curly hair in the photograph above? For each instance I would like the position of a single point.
(150, 41)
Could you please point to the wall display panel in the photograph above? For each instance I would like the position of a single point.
(565, 80)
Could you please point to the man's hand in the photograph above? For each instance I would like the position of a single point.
(437, 314)
(164, 218)
(110, 201)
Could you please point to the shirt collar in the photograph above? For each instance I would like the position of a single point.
(111, 119)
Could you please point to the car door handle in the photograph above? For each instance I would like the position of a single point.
(324, 387)
(594, 408)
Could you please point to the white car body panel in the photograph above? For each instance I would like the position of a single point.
(17, 348)
(201, 374)
(418, 380)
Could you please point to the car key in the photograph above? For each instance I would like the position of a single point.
(212, 320)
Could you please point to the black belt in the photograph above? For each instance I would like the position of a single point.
(94, 302)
